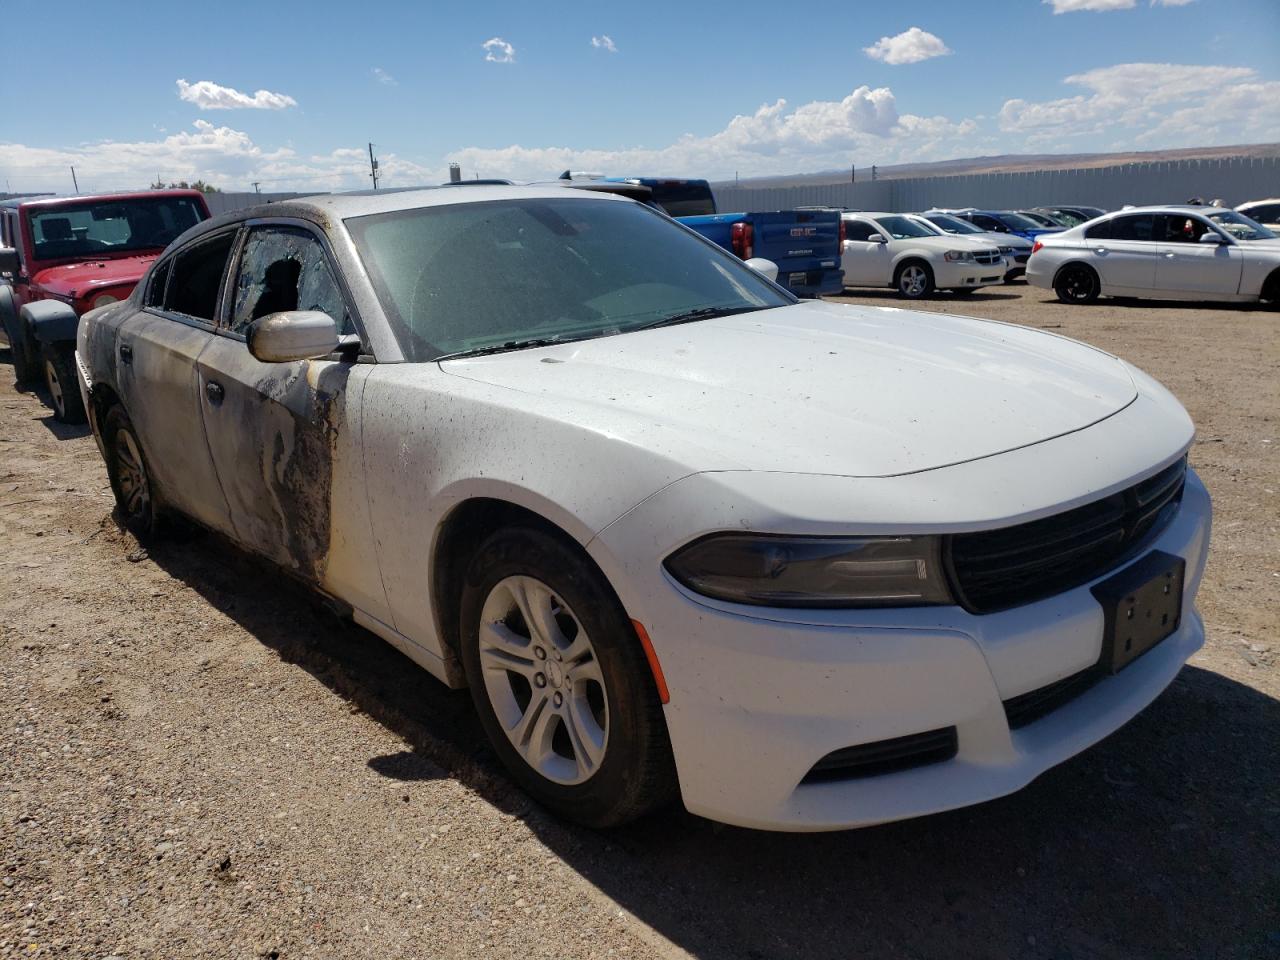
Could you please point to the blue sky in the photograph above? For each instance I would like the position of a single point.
(809, 87)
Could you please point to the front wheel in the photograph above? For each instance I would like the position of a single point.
(914, 281)
(1077, 283)
(560, 681)
(60, 381)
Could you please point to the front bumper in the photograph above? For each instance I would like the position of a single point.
(757, 701)
(965, 274)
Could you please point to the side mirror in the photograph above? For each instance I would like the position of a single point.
(8, 260)
(766, 268)
(1213, 237)
(293, 335)
(877, 238)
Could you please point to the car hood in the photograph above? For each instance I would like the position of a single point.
(73, 279)
(823, 388)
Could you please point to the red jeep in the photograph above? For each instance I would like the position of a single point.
(62, 257)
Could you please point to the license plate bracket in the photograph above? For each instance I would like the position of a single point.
(1142, 605)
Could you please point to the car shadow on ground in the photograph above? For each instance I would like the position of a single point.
(1139, 303)
(879, 293)
(1159, 842)
(64, 431)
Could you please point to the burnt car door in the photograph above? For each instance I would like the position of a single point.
(155, 363)
(272, 427)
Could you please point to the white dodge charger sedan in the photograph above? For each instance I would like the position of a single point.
(1165, 253)
(804, 566)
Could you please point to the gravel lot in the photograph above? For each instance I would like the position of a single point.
(197, 760)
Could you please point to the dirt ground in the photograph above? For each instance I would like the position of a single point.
(197, 760)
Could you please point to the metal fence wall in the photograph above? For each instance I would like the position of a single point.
(1234, 179)
(226, 202)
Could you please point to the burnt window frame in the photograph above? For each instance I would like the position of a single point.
(178, 316)
(223, 328)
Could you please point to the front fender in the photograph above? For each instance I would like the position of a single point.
(51, 321)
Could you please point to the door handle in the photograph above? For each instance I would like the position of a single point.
(1102, 250)
(213, 390)
(1170, 256)
(126, 353)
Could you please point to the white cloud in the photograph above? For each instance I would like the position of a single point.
(910, 46)
(604, 42)
(1171, 3)
(384, 78)
(208, 95)
(498, 50)
(862, 127)
(216, 154)
(1165, 103)
(1075, 6)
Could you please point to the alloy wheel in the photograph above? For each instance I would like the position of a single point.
(54, 383)
(543, 680)
(913, 281)
(131, 475)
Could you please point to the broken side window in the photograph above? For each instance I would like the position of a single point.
(285, 268)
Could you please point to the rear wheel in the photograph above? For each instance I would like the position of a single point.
(130, 477)
(60, 380)
(560, 681)
(1271, 291)
(1077, 283)
(914, 280)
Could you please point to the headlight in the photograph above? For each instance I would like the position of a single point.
(777, 571)
(954, 255)
(104, 299)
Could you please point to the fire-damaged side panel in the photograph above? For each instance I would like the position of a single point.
(285, 439)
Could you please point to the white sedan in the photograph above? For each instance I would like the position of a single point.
(1165, 253)
(895, 250)
(803, 565)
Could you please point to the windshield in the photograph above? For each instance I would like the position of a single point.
(934, 229)
(1040, 218)
(492, 275)
(683, 198)
(1069, 217)
(953, 224)
(1239, 226)
(900, 228)
(1016, 221)
(99, 227)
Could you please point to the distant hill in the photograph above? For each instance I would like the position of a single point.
(1007, 163)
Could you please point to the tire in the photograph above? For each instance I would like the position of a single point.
(914, 280)
(130, 477)
(588, 739)
(1077, 283)
(1271, 292)
(26, 371)
(60, 380)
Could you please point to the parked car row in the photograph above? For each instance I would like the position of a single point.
(803, 565)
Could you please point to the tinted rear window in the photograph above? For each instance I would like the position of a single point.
(684, 198)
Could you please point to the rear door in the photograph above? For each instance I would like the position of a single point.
(156, 354)
(1124, 251)
(272, 426)
(1187, 267)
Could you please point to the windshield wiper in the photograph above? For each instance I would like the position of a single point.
(701, 313)
(504, 347)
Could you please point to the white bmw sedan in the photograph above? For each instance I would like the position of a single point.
(804, 566)
(1165, 253)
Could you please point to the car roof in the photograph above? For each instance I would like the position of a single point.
(329, 207)
(91, 197)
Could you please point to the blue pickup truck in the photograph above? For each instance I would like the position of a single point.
(805, 244)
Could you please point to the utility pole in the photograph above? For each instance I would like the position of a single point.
(255, 186)
(74, 182)
(853, 173)
(873, 171)
(373, 167)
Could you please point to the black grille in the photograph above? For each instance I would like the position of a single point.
(988, 256)
(885, 756)
(1028, 707)
(997, 569)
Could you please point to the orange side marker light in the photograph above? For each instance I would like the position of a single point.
(663, 694)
